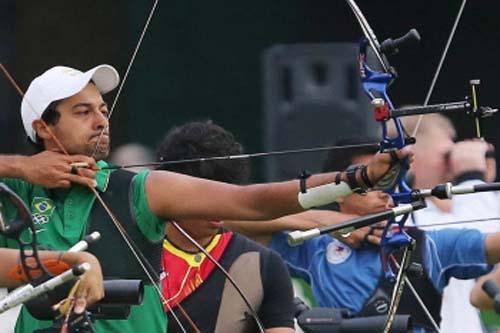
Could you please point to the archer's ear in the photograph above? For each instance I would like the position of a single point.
(340, 200)
(40, 129)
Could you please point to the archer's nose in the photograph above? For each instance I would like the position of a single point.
(101, 120)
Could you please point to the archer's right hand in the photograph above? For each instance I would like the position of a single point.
(52, 170)
(91, 288)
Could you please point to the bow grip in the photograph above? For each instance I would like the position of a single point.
(392, 241)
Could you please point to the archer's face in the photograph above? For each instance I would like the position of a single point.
(201, 229)
(83, 117)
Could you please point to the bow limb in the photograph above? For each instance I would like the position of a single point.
(369, 34)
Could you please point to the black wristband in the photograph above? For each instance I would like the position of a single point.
(303, 175)
(352, 181)
(337, 178)
(365, 178)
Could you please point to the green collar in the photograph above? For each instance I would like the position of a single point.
(102, 176)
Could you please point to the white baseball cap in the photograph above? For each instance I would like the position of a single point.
(59, 83)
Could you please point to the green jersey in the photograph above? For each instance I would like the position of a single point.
(60, 217)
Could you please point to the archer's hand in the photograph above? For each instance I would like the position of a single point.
(91, 288)
(362, 237)
(467, 156)
(381, 163)
(51, 169)
(491, 165)
(370, 235)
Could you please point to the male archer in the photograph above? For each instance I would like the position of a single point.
(350, 275)
(191, 279)
(63, 111)
(440, 159)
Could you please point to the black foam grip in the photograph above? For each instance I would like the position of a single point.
(401, 324)
(127, 292)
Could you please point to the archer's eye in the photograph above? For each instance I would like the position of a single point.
(83, 112)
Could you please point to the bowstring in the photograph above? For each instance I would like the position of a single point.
(440, 64)
(129, 67)
(243, 156)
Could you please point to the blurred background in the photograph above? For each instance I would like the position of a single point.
(203, 60)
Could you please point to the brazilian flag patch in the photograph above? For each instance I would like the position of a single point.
(42, 209)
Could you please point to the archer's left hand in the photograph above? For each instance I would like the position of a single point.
(468, 156)
(383, 165)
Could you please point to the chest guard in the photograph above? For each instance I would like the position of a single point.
(117, 260)
(378, 303)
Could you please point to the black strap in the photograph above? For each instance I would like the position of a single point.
(337, 178)
(365, 178)
(303, 175)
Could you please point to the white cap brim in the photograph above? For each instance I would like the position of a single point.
(105, 77)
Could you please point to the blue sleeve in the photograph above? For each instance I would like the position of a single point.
(297, 257)
(458, 253)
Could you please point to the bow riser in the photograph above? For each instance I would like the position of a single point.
(375, 85)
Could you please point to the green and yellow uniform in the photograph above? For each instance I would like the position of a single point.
(60, 217)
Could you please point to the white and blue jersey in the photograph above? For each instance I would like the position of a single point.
(342, 277)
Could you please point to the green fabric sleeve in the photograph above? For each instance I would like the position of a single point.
(151, 226)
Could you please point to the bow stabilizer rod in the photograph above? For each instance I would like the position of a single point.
(298, 237)
(383, 113)
(448, 190)
(85, 242)
(29, 292)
